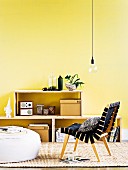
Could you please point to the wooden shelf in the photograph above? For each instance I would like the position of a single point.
(53, 117)
(56, 120)
(41, 91)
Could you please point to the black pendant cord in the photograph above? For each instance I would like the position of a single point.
(92, 60)
(92, 28)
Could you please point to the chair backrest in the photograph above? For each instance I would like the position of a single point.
(107, 121)
(111, 116)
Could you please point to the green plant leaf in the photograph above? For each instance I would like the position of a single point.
(76, 80)
(73, 77)
(68, 77)
(78, 83)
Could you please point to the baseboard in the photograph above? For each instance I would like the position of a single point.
(124, 134)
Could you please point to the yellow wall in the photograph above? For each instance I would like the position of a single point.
(38, 37)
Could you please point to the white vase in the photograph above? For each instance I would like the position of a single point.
(70, 87)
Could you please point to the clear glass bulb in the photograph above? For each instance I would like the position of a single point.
(93, 67)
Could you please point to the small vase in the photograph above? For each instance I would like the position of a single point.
(60, 83)
(70, 87)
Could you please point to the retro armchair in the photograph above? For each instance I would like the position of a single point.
(93, 129)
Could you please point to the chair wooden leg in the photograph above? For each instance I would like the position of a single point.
(106, 144)
(95, 151)
(64, 146)
(76, 142)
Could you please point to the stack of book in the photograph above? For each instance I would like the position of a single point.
(113, 136)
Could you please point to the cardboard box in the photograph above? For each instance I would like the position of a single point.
(42, 130)
(70, 107)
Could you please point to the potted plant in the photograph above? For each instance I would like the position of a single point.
(73, 82)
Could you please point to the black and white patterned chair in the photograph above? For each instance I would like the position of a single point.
(93, 129)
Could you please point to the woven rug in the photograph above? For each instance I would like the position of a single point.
(50, 152)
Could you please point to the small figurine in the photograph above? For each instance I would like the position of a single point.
(8, 109)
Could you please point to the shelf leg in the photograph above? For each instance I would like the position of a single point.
(53, 129)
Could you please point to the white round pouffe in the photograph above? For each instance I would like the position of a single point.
(18, 144)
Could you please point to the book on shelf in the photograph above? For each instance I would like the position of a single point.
(113, 136)
(38, 124)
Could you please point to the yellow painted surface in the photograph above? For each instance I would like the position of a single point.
(38, 37)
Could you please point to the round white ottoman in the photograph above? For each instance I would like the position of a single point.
(18, 144)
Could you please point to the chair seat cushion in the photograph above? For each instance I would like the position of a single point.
(89, 125)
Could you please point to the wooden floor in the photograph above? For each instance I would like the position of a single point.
(114, 168)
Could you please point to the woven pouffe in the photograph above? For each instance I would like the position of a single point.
(18, 144)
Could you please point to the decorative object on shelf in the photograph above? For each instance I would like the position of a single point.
(49, 89)
(70, 87)
(8, 109)
(93, 67)
(26, 112)
(39, 108)
(25, 105)
(52, 82)
(51, 110)
(60, 83)
(44, 88)
(45, 112)
(26, 108)
(73, 82)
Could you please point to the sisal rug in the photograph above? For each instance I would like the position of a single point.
(49, 156)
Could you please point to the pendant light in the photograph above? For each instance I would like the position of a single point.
(93, 67)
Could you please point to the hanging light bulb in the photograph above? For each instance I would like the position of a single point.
(93, 67)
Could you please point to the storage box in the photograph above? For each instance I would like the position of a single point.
(70, 107)
(42, 130)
